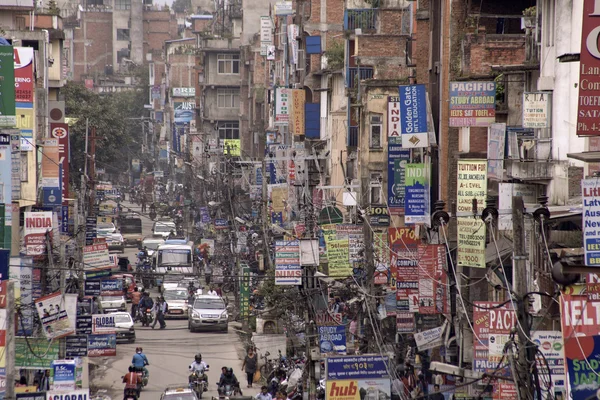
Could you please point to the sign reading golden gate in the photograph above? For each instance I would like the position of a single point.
(588, 113)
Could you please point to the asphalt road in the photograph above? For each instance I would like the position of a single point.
(169, 351)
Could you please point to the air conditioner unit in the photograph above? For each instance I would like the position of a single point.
(301, 66)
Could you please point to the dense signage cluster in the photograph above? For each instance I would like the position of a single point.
(589, 76)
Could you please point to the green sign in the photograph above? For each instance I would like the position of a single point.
(8, 116)
(42, 356)
(245, 293)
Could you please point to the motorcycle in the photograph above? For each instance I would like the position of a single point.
(140, 373)
(152, 215)
(227, 391)
(130, 393)
(321, 390)
(146, 317)
(199, 382)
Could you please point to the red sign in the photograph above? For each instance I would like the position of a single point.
(502, 320)
(588, 110)
(23, 74)
(579, 316)
(403, 242)
(61, 132)
(432, 279)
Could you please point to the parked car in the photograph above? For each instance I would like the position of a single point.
(115, 242)
(113, 303)
(177, 301)
(125, 326)
(208, 312)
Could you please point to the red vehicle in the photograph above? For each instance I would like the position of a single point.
(128, 283)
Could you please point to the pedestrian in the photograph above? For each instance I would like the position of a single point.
(160, 308)
(249, 366)
(212, 291)
(398, 389)
(143, 203)
(135, 303)
(264, 394)
(436, 395)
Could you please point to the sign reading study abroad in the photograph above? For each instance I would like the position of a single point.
(589, 78)
(472, 103)
(591, 220)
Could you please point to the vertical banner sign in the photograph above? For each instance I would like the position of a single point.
(7, 87)
(471, 185)
(413, 116)
(282, 106)
(432, 279)
(36, 225)
(61, 133)
(416, 201)
(537, 109)
(23, 65)
(287, 263)
(495, 152)
(393, 120)
(589, 79)
(551, 363)
(481, 333)
(472, 103)
(397, 160)
(15, 148)
(50, 164)
(591, 220)
(293, 32)
(5, 169)
(297, 111)
(381, 254)
(245, 293)
(404, 261)
(471, 242)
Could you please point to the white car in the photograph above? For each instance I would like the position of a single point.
(163, 228)
(181, 392)
(113, 303)
(208, 312)
(115, 241)
(105, 228)
(125, 326)
(177, 302)
(152, 244)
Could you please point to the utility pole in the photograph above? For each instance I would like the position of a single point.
(526, 368)
(265, 216)
(9, 350)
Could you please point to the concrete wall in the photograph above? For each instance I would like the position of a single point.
(136, 32)
(211, 111)
(55, 71)
(212, 77)
(253, 10)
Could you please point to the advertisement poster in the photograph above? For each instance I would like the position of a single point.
(356, 367)
(404, 261)
(393, 120)
(355, 389)
(551, 365)
(582, 354)
(96, 256)
(102, 345)
(184, 92)
(23, 65)
(397, 160)
(61, 133)
(589, 90)
(287, 263)
(50, 164)
(429, 339)
(472, 184)
(297, 110)
(332, 339)
(495, 152)
(5, 168)
(53, 314)
(282, 106)
(25, 120)
(416, 201)
(472, 103)
(381, 255)
(405, 322)
(591, 220)
(481, 333)
(433, 286)
(79, 394)
(76, 345)
(184, 111)
(64, 375)
(103, 323)
(413, 116)
(7, 87)
(537, 109)
(355, 237)
(37, 224)
(403, 243)
(42, 356)
(338, 256)
(471, 242)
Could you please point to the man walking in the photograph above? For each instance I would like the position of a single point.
(135, 303)
(160, 308)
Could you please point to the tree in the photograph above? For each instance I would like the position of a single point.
(182, 6)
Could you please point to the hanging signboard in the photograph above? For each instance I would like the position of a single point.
(393, 120)
(537, 109)
(591, 220)
(472, 184)
(495, 151)
(472, 103)
(471, 242)
(102, 345)
(53, 315)
(397, 160)
(416, 201)
(287, 263)
(413, 116)
(332, 339)
(282, 106)
(589, 79)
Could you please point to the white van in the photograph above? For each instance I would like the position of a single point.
(173, 259)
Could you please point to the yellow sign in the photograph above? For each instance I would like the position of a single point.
(297, 112)
(104, 220)
(338, 256)
(24, 118)
(471, 184)
(278, 198)
(232, 147)
(471, 242)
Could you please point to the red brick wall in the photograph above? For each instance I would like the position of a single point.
(478, 140)
(335, 12)
(389, 21)
(380, 46)
(421, 47)
(482, 51)
(158, 26)
(99, 39)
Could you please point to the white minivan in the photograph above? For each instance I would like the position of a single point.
(164, 228)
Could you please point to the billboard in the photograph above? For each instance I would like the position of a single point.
(397, 160)
(472, 103)
(413, 116)
(184, 112)
(7, 87)
(589, 79)
(37, 224)
(61, 133)
(591, 221)
(416, 200)
(24, 82)
(282, 106)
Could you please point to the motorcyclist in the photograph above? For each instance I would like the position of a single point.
(146, 303)
(143, 254)
(139, 361)
(200, 367)
(228, 378)
(132, 381)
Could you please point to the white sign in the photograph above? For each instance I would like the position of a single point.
(282, 106)
(393, 116)
(536, 109)
(271, 53)
(96, 256)
(293, 33)
(430, 339)
(591, 220)
(550, 344)
(506, 192)
(266, 26)
(283, 8)
(78, 394)
(36, 225)
(184, 92)
(103, 323)
(496, 343)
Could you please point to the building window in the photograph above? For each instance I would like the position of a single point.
(123, 34)
(376, 127)
(122, 4)
(375, 189)
(229, 130)
(228, 98)
(228, 64)
(548, 18)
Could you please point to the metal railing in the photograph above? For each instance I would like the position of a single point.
(356, 74)
(353, 136)
(362, 18)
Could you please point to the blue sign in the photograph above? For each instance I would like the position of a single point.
(204, 215)
(356, 367)
(581, 353)
(64, 374)
(259, 176)
(4, 264)
(397, 160)
(277, 218)
(102, 345)
(413, 116)
(221, 224)
(64, 216)
(176, 139)
(112, 285)
(332, 339)
(91, 288)
(52, 196)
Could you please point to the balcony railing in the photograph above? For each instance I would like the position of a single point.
(540, 170)
(356, 74)
(362, 18)
(353, 136)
